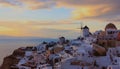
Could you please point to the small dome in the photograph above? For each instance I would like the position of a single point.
(110, 26)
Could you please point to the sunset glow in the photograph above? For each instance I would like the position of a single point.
(53, 18)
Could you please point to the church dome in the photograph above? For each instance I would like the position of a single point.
(110, 26)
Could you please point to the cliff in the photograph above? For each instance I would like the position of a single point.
(12, 60)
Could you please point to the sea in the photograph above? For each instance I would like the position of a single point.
(7, 46)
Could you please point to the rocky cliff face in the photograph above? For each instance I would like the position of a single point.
(12, 59)
(9, 61)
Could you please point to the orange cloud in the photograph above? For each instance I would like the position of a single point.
(87, 12)
(83, 13)
(11, 4)
(34, 28)
(92, 9)
(37, 4)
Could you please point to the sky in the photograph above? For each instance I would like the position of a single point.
(55, 18)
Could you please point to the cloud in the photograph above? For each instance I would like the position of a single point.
(28, 4)
(92, 9)
(2, 29)
(36, 28)
(49, 23)
(82, 9)
(37, 4)
(10, 3)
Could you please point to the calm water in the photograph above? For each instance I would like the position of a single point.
(7, 46)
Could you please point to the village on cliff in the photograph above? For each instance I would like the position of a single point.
(98, 50)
